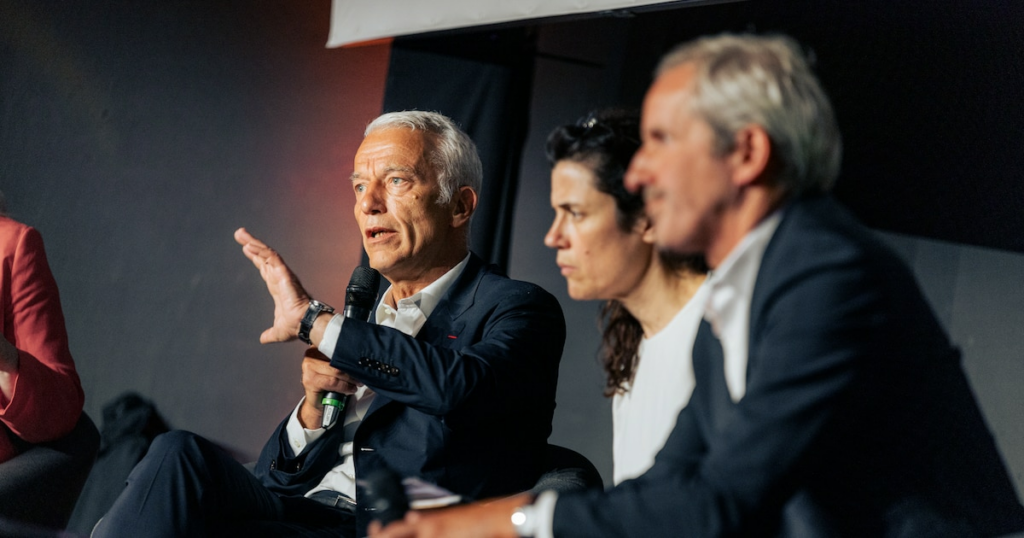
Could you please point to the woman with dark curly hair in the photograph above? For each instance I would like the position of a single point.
(654, 301)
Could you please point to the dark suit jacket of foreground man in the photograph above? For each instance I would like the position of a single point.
(467, 404)
(857, 419)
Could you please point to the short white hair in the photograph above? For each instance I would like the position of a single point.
(767, 81)
(454, 156)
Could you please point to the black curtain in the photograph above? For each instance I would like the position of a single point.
(482, 81)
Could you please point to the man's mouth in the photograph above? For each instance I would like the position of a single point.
(377, 232)
(652, 195)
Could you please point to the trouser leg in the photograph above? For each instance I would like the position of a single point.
(183, 487)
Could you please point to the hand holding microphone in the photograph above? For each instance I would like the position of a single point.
(318, 377)
(360, 295)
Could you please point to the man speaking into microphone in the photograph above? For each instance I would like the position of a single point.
(436, 376)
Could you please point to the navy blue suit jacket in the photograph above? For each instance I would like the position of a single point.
(466, 404)
(857, 419)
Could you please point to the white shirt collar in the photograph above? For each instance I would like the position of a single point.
(411, 313)
(728, 308)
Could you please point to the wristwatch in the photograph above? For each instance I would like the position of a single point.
(314, 310)
(525, 521)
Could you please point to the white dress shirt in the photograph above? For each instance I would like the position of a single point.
(728, 308)
(408, 316)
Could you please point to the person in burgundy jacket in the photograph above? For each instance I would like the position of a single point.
(41, 396)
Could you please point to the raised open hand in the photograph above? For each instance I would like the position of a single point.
(290, 299)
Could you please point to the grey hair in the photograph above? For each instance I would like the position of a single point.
(765, 80)
(454, 156)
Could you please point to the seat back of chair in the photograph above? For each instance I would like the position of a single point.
(41, 485)
(567, 470)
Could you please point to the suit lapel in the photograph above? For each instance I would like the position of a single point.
(709, 370)
(767, 276)
(443, 326)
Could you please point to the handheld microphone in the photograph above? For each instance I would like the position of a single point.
(386, 495)
(360, 295)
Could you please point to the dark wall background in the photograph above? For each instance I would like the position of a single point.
(929, 97)
(137, 136)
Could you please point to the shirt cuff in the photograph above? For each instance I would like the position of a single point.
(331, 334)
(299, 437)
(544, 511)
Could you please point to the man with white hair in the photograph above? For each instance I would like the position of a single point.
(829, 401)
(436, 380)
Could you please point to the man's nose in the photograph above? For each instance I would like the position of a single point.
(372, 200)
(637, 175)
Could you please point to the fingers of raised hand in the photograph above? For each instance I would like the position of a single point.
(254, 249)
(275, 334)
(265, 259)
(242, 236)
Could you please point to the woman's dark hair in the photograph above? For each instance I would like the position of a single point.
(605, 141)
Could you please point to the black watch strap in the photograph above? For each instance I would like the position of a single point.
(314, 310)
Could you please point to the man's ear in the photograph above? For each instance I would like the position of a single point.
(463, 206)
(751, 154)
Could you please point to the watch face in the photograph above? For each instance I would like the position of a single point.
(523, 521)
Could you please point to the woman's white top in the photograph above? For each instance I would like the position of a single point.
(645, 415)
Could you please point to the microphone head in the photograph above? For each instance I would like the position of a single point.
(361, 293)
(365, 278)
(385, 494)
